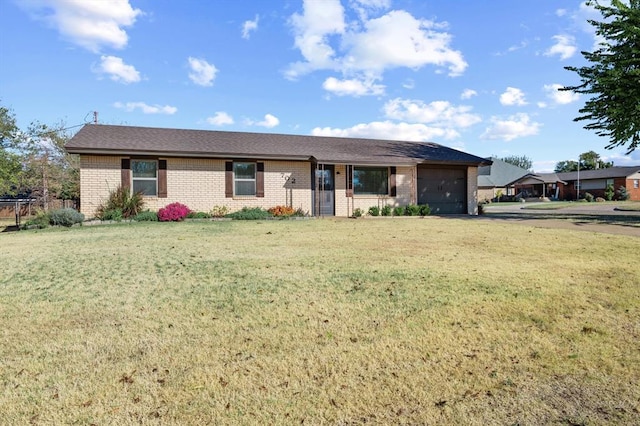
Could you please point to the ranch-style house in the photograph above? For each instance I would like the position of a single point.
(324, 176)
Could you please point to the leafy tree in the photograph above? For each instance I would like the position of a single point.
(10, 165)
(521, 161)
(589, 160)
(613, 77)
(35, 161)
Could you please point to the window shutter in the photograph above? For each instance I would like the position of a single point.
(228, 179)
(259, 179)
(162, 178)
(125, 173)
(392, 182)
(349, 185)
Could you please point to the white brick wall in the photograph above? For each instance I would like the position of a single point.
(200, 184)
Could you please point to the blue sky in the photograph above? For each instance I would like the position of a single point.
(481, 77)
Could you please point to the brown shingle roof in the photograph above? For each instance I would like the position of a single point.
(131, 140)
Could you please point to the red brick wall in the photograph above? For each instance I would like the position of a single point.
(634, 192)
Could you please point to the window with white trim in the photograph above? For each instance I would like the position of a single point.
(144, 177)
(370, 180)
(244, 179)
(636, 183)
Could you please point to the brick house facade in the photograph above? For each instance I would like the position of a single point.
(322, 176)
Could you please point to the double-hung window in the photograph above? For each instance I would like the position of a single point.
(244, 179)
(144, 177)
(636, 183)
(370, 180)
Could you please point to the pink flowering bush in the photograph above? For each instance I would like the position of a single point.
(173, 212)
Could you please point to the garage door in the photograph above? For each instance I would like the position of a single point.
(445, 190)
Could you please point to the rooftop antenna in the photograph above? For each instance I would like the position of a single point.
(95, 117)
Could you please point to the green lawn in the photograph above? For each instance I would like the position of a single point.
(417, 321)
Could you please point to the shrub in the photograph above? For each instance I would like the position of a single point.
(374, 211)
(198, 215)
(282, 211)
(219, 211)
(399, 211)
(121, 198)
(358, 212)
(412, 210)
(65, 217)
(250, 213)
(425, 210)
(113, 214)
(300, 213)
(41, 220)
(386, 210)
(623, 194)
(609, 192)
(146, 216)
(173, 212)
(589, 197)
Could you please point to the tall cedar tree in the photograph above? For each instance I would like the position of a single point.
(613, 78)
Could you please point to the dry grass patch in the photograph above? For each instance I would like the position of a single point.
(323, 322)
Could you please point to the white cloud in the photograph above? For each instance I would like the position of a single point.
(516, 126)
(220, 118)
(117, 70)
(318, 21)
(202, 73)
(352, 87)
(397, 39)
(560, 97)
(368, 47)
(89, 24)
(561, 12)
(438, 113)
(249, 26)
(468, 94)
(388, 130)
(513, 96)
(409, 84)
(565, 47)
(268, 122)
(145, 108)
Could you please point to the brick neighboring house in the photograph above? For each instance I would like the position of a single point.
(497, 179)
(323, 176)
(565, 186)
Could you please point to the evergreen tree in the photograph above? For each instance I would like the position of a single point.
(613, 77)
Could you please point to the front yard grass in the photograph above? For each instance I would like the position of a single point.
(426, 321)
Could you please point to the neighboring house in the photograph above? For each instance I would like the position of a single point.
(496, 179)
(323, 176)
(565, 186)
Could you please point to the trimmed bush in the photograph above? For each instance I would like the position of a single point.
(358, 212)
(623, 194)
(173, 212)
(609, 192)
(65, 217)
(250, 213)
(589, 197)
(412, 210)
(146, 216)
(399, 211)
(198, 215)
(386, 210)
(114, 214)
(41, 220)
(425, 210)
(374, 211)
